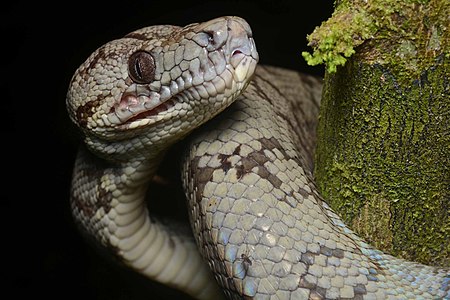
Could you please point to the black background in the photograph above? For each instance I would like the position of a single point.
(42, 45)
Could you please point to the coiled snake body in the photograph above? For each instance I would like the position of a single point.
(256, 214)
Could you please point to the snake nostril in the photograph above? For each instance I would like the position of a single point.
(210, 35)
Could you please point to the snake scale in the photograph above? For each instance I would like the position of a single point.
(257, 216)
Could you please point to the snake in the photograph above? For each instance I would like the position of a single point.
(259, 227)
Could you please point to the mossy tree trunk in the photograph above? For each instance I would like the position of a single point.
(383, 154)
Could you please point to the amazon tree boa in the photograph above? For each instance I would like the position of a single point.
(261, 228)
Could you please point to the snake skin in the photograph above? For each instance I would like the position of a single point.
(259, 219)
(256, 214)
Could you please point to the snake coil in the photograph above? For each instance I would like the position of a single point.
(257, 216)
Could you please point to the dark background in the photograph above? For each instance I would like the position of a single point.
(42, 45)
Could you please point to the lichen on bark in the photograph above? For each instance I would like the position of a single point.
(410, 28)
(383, 153)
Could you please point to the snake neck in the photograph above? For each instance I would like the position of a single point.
(109, 199)
(105, 192)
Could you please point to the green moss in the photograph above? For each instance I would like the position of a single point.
(383, 157)
(335, 40)
(383, 31)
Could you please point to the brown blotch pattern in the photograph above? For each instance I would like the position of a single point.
(136, 36)
(87, 110)
(101, 54)
(308, 258)
(202, 176)
(225, 163)
(95, 196)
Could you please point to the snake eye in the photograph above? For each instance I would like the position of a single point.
(141, 67)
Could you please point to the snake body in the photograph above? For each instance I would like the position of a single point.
(257, 216)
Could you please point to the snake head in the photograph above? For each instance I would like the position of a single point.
(158, 83)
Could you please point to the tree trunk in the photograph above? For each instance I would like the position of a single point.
(383, 153)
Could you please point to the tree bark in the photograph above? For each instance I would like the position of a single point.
(383, 153)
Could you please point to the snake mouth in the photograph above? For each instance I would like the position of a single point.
(148, 114)
(140, 106)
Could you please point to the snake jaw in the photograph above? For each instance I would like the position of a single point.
(136, 103)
